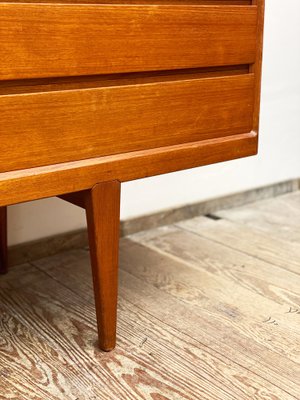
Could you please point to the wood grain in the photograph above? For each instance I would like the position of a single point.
(38, 40)
(279, 219)
(111, 120)
(3, 240)
(244, 280)
(207, 329)
(252, 241)
(160, 365)
(62, 178)
(190, 322)
(229, 315)
(103, 220)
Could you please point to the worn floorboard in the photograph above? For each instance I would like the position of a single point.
(208, 309)
(251, 241)
(279, 217)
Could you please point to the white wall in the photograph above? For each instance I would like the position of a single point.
(278, 159)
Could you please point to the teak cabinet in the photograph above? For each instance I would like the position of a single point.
(94, 93)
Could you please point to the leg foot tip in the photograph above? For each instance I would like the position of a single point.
(106, 347)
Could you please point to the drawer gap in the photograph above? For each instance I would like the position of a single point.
(83, 82)
(137, 2)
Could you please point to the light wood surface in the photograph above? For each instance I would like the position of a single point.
(198, 319)
(277, 218)
(70, 40)
(253, 240)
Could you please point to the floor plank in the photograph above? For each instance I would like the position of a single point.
(220, 290)
(248, 240)
(228, 271)
(208, 309)
(279, 217)
(68, 324)
(136, 292)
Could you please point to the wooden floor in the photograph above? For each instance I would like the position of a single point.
(209, 309)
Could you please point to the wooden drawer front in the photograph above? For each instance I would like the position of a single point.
(53, 40)
(59, 126)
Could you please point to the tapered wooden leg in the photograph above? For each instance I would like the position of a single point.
(3, 240)
(103, 219)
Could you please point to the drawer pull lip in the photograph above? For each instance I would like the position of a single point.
(97, 81)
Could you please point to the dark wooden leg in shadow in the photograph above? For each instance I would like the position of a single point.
(102, 205)
(103, 219)
(3, 240)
